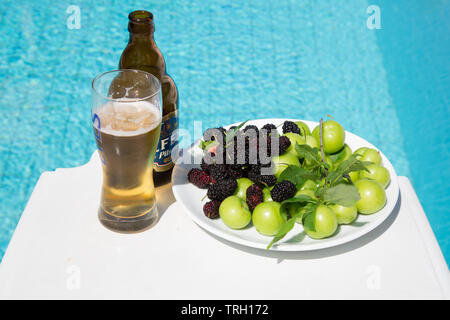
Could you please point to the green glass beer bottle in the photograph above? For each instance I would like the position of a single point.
(142, 53)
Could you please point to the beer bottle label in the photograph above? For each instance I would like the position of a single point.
(163, 158)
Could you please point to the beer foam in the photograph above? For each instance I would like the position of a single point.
(128, 118)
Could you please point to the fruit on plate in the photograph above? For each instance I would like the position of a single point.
(304, 129)
(200, 178)
(312, 142)
(344, 215)
(369, 154)
(321, 224)
(295, 208)
(354, 175)
(294, 138)
(268, 217)
(222, 189)
(309, 185)
(266, 194)
(329, 161)
(234, 212)
(283, 191)
(307, 192)
(373, 196)
(289, 126)
(242, 186)
(247, 188)
(211, 209)
(378, 173)
(254, 196)
(341, 155)
(283, 161)
(333, 136)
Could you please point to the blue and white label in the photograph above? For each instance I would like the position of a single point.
(167, 141)
(97, 126)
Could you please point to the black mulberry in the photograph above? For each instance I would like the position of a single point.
(222, 189)
(204, 166)
(267, 130)
(219, 171)
(252, 127)
(262, 180)
(283, 190)
(269, 127)
(211, 209)
(199, 178)
(284, 144)
(289, 126)
(254, 196)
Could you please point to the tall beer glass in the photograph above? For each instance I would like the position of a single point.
(126, 118)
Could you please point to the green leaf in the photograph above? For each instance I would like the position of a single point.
(310, 209)
(310, 154)
(296, 175)
(230, 135)
(287, 226)
(204, 145)
(301, 198)
(342, 194)
(351, 164)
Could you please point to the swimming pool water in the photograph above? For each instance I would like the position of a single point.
(231, 61)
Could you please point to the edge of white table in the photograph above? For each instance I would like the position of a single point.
(60, 250)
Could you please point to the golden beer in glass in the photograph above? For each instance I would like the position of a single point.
(126, 119)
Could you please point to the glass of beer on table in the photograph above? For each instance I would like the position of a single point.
(126, 118)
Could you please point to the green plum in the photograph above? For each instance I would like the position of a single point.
(283, 161)
(341, 155)
(329, 161)
(323, 223)
(234, 212)
(378, 173)
(307, 192)
(368, 154)
(333, 136)
(266, 194)
(294, 138)
(354, 175)
(344, 215)
(309, 185)
(295, 207)
(268, 218)
(373, 196)
(312, 142)
(304, 129)
(243, 184)
(360, 151)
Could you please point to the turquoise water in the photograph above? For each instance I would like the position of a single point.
(232, 61)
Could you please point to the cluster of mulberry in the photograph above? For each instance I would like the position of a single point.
(289, 126)
(220, 178)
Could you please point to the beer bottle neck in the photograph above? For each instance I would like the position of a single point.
(141, 25)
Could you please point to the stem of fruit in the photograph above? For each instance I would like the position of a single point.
(204, 197)
(321, 145)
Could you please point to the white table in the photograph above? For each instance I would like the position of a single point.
(60, 250)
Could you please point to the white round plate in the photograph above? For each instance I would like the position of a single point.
(191, 197)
